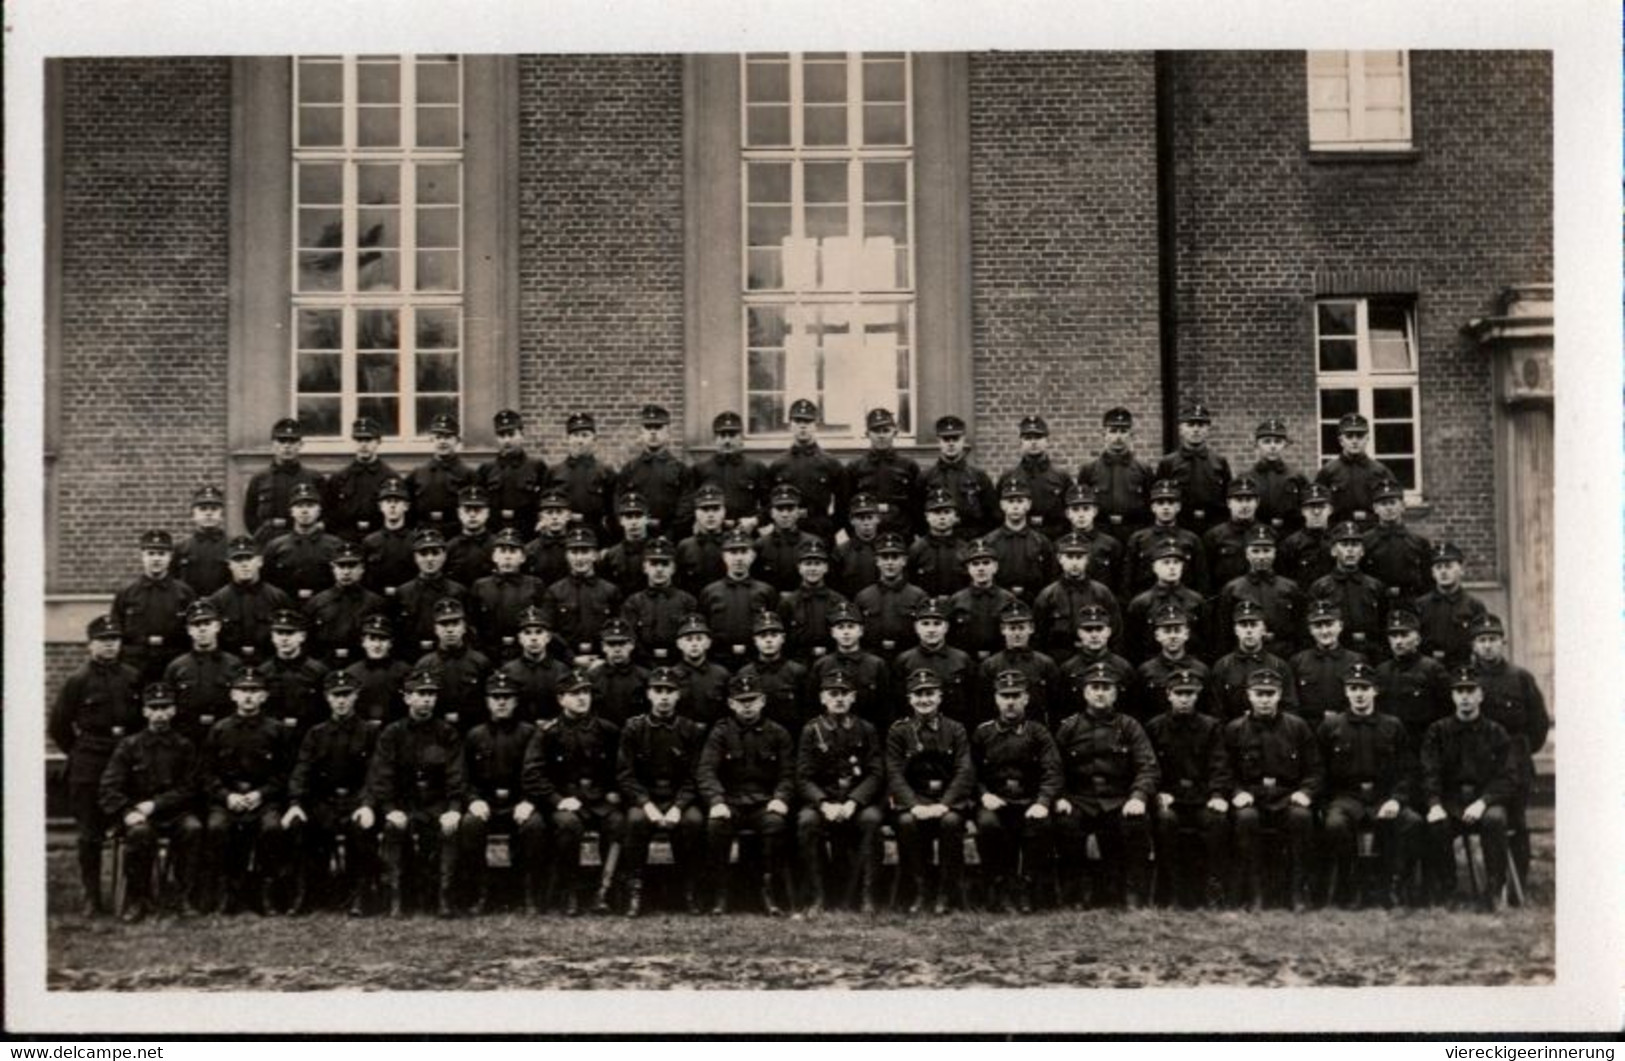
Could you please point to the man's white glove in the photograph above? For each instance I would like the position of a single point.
(480, 809)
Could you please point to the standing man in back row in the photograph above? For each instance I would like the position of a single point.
(1120, 480)
(892, 479)
(820, 478)
(1203, 476)
(1044, 483)
(265, 505)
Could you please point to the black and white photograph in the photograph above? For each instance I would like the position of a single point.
(660, 525)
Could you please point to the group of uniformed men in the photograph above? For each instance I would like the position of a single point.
(1258, 678)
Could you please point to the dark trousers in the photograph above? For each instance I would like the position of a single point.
(1267, 833)
(1173, 826)
(527, 844)
(1396, 837)
(1491, 829)
(84, 799)
(570, 826)
(234, 840)
(687, 841)
(1010, 842)
(914, 839)
(424, 843)
(720, 832)
(1125, 849)
(185, 833)
(853, 843)
(313, 842)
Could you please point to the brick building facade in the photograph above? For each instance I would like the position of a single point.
(1104, 228)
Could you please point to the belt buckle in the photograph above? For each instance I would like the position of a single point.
(502, 794)
(362, 524)
(739, 650)
(507, 513)
(933, 787)
(341, 792)
(660, 653)
(1269, 782)
(289, 721)
(341, 653)
(1114, 519)
(205, 720)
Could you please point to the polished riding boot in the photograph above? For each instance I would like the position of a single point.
(90, 879)
(533, 904)
(770, 906)
(634, 897)
(917, 906)
(1024, 896)
(600, 900)
(866, 890)
(392, 871)
(482, 895)
(1213, 893)
(1299, 890)
(1255, 888)
(815, 886)
(444, 907)
(268, 906)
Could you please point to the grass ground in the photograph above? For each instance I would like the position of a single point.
(1061, 949)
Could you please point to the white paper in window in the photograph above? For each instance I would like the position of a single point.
(877, 270)
(843, 369)
(800, 359)
(800, 263)
(839, 257)
(879, 374)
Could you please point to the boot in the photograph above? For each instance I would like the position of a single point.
(997, 901)
(268, 907)
(1213, 893)
(634, 897)
(358, 901)
(394, 883)
(444, 907)
(135, 909)
(600, 901)
(917, 907)
(301, 893)
(1299, 890)
(572, 902)
(1255, 889)
(815, 881)
(770, 906)
(719, 901)
(1024, 898)
(866, 891)
(533, 904)
(691, 896)
(90, 879)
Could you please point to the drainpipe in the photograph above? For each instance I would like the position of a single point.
(1167, 247)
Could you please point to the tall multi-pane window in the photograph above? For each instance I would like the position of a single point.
(1366, 350)
(828, 248)
(377, 261)
(1359, 101)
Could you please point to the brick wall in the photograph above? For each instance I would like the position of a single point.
(600, 243)
(144, 287)
(1064, 247)
(1256, 219)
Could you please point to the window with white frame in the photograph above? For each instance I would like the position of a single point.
(1366, 350)
(828, 238)
(1359, 101)
(377, 261)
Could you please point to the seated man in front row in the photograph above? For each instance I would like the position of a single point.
(932, 781)
(1466, 781)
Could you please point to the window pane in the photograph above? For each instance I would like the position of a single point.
(883, 82)
(1339, 355)
(378, 82)
(824, 83)
(321, 183)
(885, 182)
(885, 123)
(764, 326)
(825, 221)
(320, 271)
(1335, 403)
(320, 373)
(1391, 403)
(429, 407)
(321, 127)
(767, 126)
(889, 221)
(767, 82)
(386, 410)
(378, 373)
(438, 183)
(1404, 470)
(438, 329)
(1329, 94)
(437, 270)
(438, 127)
(1329, 446)
(765, 270)
(378, 184)
(1390, 333)
(1384, 125)
(768, 225)
(824, 126)
(1382, 62)
(825, 182)
(1329, 126)
(319, 416)
(438, 227)
(1337, 318)
(1328, 62)
(767, 414)
(321, 227)
(377, 329)
(765, 370)
(378, 271)
(437, 82)
(378, 127)
(436, 372)
(321, 82)
(321, 329)
(379, 227)
(1385, 92)
(769, 182)
(1393, 438)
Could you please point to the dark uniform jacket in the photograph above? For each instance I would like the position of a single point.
(699, 560)
(746, 766)
(1306, 555)
(929, 761)
(1361, 600)
(334, 760)
(656, 760)
(545, 557)
(973, 619)
(1073, 670)
(1400, 560)
(705, 691)
(1148, 697)
(1283, 602)
(1122, 485)
(301, 563)
(434, 486)
(495, 602)
(1108, 558)
(654, 613)
(1466, 761)
(1227, 683)
(776, 555)
(380, 698)
(1319, 673)
(462, 672)
(590, 487)
(1026, 559)
(805, 611)
(468, 556)
(743, 481)
(1055, 613)
(265, 503)
(1367, 758)
(934, 564)
(200, 560)
(514, 483)
(730, 606)
(350, 502)
(623, 565)
(1143, 542)
(972, 490)
(580, 606)
(418, 768)
(894, 482)
(1447, 620)
(888, 614)
(1280, 495)
(852, 566)
(538, 681)
(839, 760)
(1138, 640)
(202, 684)
(1513, 701)
(335, 616)
(1048, 486)
(414, 610)
(823, 485)
(1191, 754)
(961, 690)
(245, 616)
(243, 755)
(619, 691)
(152, 615)
(1204, 478)
(789, 702)
(295, 692)
(97, 706)
(1273, 758)
(1047, 700)
(1352, 481)
(1415, 690)
(1018, 762)
(495, 756)
(161, 767)
(662, 479)
(870, 677)
(1226, 547)
(1106, 759)
(388, 555)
